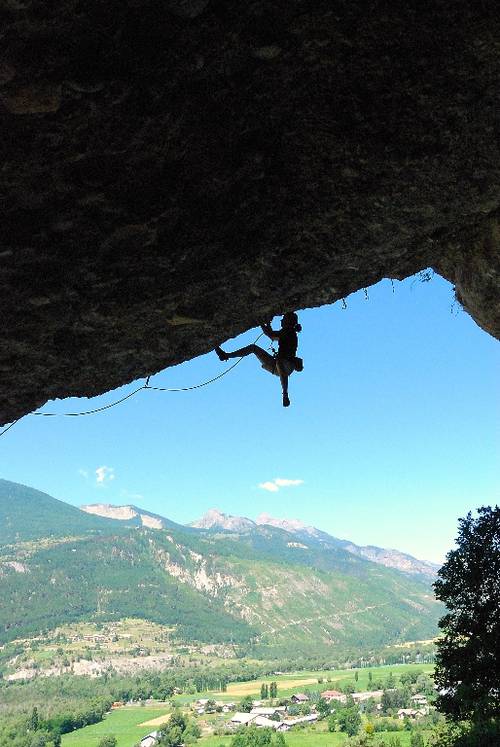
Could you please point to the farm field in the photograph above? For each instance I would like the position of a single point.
(239, 689)
(124, 723)
(293, 681)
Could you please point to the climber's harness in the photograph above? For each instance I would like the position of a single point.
(298, 363)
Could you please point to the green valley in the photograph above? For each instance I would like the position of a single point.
(115, 605)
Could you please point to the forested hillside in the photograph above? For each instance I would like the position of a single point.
(261, 592)
(28, 514)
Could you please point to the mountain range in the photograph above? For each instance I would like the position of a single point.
(269, 588)
(217, 520)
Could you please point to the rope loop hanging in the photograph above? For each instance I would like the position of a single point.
(128, 396)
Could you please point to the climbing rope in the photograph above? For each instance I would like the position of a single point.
(9, 427)
(131, 394)
(88, 412)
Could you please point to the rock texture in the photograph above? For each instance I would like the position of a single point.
(171, 171)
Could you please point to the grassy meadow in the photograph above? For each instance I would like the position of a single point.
(123, 723)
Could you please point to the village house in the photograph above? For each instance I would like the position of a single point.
(199, 706)
(419, 699)
(299, 698)
(288, 724)
(96, 638)
(271, 711)
(366, 695)
(253, 719)
(261, 722)
(330, 695)
(150, 740)
(242, 719)
(200, 703)
(202, 706)
(409, 713)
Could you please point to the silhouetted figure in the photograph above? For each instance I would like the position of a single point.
(282, 363)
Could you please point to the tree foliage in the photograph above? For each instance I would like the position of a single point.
(245, 704)
(392, 700)
(417, 740)
(252, 737)
(180, 731)
(464, 734)
(349, 720)
(108, 741)
(468, 659)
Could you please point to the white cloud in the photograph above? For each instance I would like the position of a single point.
(272, 486)
(104, 474)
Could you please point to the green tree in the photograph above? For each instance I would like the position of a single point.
(332, 722)
(323, 707)
(348, 688)
(356, 676)
(108, 741)
(264, 691)
(390, 682)
(468, 658)
(370, 706)
(465, 734)
(253, 737)
(41, 739)
(177, 719)
(273, 690)
(192, 730)
(245, 704)
(173, 737)
(33, 720)
(425, 685)
(417, 740)
(349, 720)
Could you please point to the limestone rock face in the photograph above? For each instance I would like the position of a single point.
(174, 170)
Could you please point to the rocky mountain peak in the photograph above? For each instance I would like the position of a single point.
(289, 525)
(124, 513)
(216, 519)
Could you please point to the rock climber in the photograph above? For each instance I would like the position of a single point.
(284, 362)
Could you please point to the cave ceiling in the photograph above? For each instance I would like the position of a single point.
(171, 172)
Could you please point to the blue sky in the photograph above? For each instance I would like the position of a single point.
(391, 436)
